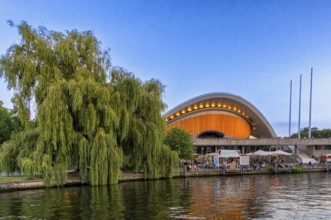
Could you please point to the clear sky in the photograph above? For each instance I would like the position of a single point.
(249, 48)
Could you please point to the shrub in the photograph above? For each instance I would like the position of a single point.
(296, 169)
(271, 169)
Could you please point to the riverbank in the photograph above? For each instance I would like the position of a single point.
(74, 180)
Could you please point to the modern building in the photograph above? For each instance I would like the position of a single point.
(219, 115)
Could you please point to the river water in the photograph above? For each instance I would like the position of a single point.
(284, 196)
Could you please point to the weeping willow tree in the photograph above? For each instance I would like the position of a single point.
(142, 128)
(65, 74)
(84, 115)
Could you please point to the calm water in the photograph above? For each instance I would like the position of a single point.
(303, 196)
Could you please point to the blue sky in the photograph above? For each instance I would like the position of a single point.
(249, 48)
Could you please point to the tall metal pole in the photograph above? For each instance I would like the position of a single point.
(311, 91)
(290, 114)
(299, 108)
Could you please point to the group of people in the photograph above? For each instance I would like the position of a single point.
(205, 162)
(258, 163)
(188, 166)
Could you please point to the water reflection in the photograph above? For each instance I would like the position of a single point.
(304, 196)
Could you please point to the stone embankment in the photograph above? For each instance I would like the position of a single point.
(73, 180)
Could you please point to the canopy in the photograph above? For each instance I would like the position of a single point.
(229, 153)
(270, 153)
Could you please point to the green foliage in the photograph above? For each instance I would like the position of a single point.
(82, 119)
(181, 141)
(167, 160)
(9, 123)
(271, 169)
(296, 169)
(20, 145)
(315, 133)
(8, 155)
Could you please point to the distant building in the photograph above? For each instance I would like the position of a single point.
(219, 115)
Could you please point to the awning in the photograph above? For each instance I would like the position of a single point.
(229, 153)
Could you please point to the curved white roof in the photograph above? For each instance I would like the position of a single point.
(261, 128)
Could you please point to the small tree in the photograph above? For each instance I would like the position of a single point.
(181, 141)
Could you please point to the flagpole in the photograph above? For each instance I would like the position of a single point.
(299, 135)
(311, 91)
(290, 116)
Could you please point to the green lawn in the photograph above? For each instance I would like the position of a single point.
(12, 179)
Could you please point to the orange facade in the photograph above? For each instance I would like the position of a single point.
(228, 124)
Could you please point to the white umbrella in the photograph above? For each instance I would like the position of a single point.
(263, 153)
(280, 152)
